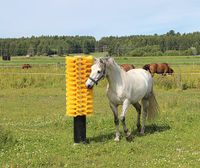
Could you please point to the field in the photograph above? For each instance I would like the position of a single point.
(34, 131)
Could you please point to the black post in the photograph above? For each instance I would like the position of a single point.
(80, 129)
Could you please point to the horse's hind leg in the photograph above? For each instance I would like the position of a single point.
(145, 104)
(116, 120)
(125, 105)
(138, 109)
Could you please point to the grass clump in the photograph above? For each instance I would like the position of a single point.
(177, 81)
(6, 138)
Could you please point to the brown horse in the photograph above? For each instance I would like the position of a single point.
(127, 67)
(162, 68)
(26, 66)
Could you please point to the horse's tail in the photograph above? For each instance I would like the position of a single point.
(153, 108)
(146, 67)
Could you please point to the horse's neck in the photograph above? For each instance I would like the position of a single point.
(115, 76)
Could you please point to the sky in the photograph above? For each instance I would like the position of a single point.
(98, 18)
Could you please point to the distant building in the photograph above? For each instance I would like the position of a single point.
(6, 57)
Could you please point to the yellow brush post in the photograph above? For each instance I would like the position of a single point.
(79, 99)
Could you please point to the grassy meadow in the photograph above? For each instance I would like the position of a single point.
(34, 131)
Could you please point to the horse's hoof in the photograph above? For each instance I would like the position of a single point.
(129, 137)
(142, 132)
(128, 134)
(116, 139)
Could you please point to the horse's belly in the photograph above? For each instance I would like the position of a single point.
(115, 98)
(137, 97)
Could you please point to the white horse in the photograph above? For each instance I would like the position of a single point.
(125, 88)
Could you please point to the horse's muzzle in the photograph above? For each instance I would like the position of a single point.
(89, 86)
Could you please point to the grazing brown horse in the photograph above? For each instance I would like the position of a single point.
(127, 67)
(162, 68)
(26, 66)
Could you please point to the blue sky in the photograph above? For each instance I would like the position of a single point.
(98, 18)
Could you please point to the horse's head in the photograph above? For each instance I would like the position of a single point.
(98, 71)
(170, 71)
(146, 67)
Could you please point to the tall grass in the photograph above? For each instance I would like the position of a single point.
(37, 77)
(178, 81)
(6, 138)
(44, 76)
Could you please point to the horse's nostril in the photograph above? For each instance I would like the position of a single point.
(89, 86)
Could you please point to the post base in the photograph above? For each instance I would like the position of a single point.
(80, 129)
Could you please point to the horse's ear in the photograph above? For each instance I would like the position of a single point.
(95, 60)
(110, 60)
(107, 60)
(101, 61)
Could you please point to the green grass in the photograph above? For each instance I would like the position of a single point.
(20, 60)
(36, 133)
(43, 134)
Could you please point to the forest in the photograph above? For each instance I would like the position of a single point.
(171, 44)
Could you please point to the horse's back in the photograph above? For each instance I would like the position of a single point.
(141, 80)
(162, 68)
(153, 68)
(127, 67)
(139, 73)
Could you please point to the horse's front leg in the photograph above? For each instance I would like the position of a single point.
(125, 105)
(116, 120)
(165, 72)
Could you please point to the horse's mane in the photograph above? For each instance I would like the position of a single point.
(146, 67)
(117, 65)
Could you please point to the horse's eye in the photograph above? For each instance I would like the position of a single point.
(98, 71)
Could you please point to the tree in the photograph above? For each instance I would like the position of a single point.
(171, 33)
(30, 51)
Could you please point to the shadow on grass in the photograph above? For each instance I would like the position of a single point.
(102, 138)
(149, 129)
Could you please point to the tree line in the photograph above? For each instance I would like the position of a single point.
(47, 45)
(171, 43)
